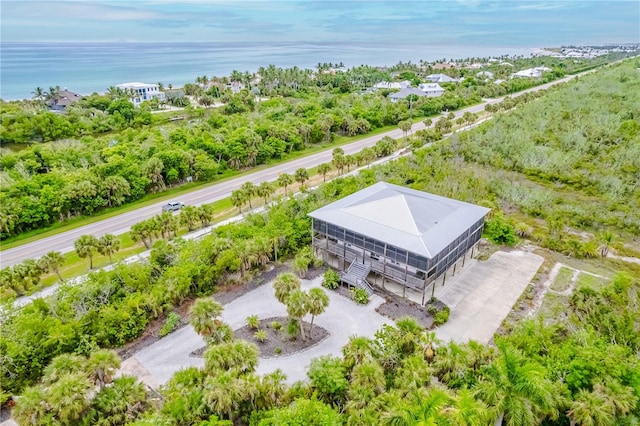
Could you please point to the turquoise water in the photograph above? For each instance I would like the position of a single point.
(92, 67)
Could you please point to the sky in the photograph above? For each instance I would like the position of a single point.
(525, 23)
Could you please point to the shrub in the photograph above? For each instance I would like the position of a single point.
(331, 279)
(276, 325)
(360, 296)
(293, 328)
(253, 322)
(170, 324)
(442, 316)
(260, 336)
(500, 230)
(277, 350)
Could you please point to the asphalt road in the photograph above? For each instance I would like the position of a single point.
(120, 224)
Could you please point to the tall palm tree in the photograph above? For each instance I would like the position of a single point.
(323, 169)
(238, 198)
(318, 303)
(52, 262)
(284, 180)
(298, 307)
(265, 190)
(284, 285)
(204, 315)
(86, 246)
(301, 176)
(108, 244)
(206, 214)
(189, 216)
(249, 190)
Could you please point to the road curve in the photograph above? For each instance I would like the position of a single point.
(122, 223)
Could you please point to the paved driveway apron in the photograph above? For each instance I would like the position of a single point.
(482, 296)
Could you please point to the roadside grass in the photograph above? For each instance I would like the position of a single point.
(563, 279)
(73, 266)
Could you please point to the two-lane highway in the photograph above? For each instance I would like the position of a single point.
(122, 223)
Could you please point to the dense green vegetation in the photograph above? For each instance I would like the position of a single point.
(555, 171)
(83, 173)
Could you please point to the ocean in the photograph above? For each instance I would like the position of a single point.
(92, 67)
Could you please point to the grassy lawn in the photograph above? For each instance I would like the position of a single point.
(587, 280)
(554, 307)
(563, 279)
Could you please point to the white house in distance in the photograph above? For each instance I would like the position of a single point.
(440, 78)
(531, 73)
(144, 91)
(432, 90)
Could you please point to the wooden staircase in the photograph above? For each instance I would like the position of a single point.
(356, 276)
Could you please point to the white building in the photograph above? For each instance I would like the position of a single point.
(531, 72)
(143, 92)
(392, 85)
(432, 90)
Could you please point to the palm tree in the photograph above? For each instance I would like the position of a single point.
(86, 246)
(68, 397)
(166, 222)
(52, 262)
(249, 190)
(427, 408)
(284, 285)
(323, 169)
(206, 214)
(318, 303)
(32, 408)
(189, 216)
(369, 374)
(204, 314)
(356, 351)
(238, 198)
(301, 175)
(108, 244)
(517, 390)
(605, 238)
(102, 364)
(265, 190)
(298, 307)
(63, 364)
(467, 410)
(284, 180)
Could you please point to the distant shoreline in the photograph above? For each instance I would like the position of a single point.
(87, 67)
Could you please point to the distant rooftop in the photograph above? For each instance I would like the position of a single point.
(415, 221)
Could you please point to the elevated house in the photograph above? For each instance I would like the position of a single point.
(404, 93)
(432, 90)
(62, 99)
(142, 92)
(396, 235)
(441, 78)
